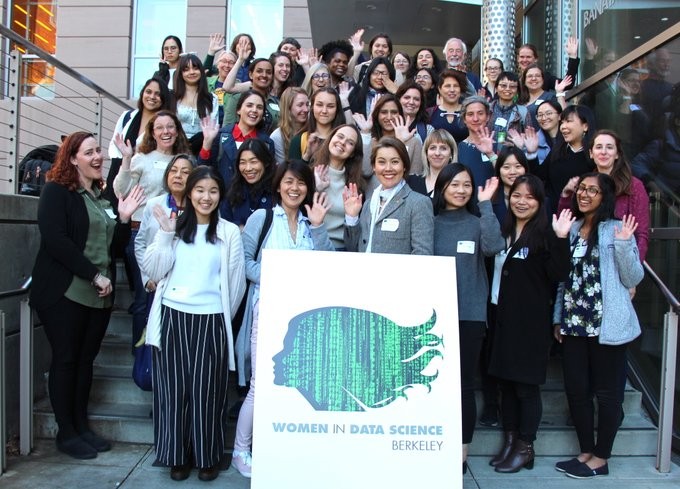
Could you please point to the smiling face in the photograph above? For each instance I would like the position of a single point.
(588, 195)
(401, 64)
(171, 52)
(424, 59)
(177, 176)
(251, 112)
(604, 153)
(573, 129)
(438, 155)
(299, 109)
(151, 97)
(324, 108)
(338, 64)
(492, 70)
(89, 162)
(510, 170)
(548, 118)
(534, 79)
(226, 63)
(380, 48)
(281, 69)
(388, 167)
(262, 76)
(342, 144)
(507, 90)
(526, 57)
(459, 191)
(165, 134)
(290, 50)
(455, 53)
(475, 116)
(386, 115)
(321, 79)
(450, 91)
(205, 197)
(250, 167)
(377, 76)
(410, 102)
(293, 191)
(523, 204)
(424, 79)
(191, 74)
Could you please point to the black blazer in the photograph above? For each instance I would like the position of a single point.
(64, 227)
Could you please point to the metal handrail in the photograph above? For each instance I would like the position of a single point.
(670, 298)
(20, 291)
(59, 64)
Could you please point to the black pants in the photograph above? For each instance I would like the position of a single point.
(521, 408)
(594, 370)
(470, 334)
(75, 333)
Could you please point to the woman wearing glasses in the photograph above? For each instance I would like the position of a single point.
(317, 77)
(532, 93)
(492, 69)
(171, 49)
(378, 80)
(427, 79)
(595, 320)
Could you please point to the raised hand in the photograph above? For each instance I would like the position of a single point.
(562, 225)
(628, 227)
(488, 190)
(591, 48)
(243, 48)
(364, 124)
(314, 142)
(165, 222)
(317, 212)
(355, 40)
(351, 199)
(570, 187)
(516, 138)
(216, 43)
(313, 56)
(390, 85)
(130, 203)
(530, 139)
(210, 128)
(485, 140)
(302, 57)
(401, 130)
(561, 85)
(572, 47)
(124, 147)
(343, 92)
(322, 179)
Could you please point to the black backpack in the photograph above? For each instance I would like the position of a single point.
(33, 168)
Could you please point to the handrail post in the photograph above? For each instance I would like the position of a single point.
(25, 378)
(14, 94)
(99, 118)
(668, 365)
(3, 419)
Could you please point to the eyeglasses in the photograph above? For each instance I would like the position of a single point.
(545, 115)
(380, 73)
(493, 68)
(320, 76)
(505, 86)
(590, 191)
(537, 75)
(170, 48)
(423, 77)
(169, 127)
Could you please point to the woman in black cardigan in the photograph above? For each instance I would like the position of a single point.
(72, 291)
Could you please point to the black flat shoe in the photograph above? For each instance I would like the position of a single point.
(582, 471)
(180, 472)
(96, 441)
(565, 465)
(76, 448)
(209, 473)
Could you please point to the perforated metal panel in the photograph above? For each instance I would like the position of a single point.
(498, 31)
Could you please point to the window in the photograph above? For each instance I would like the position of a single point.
(262, 19)
(154, 21)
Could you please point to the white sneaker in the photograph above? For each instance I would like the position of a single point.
(243, 462)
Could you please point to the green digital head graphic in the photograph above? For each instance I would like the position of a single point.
(346, 359)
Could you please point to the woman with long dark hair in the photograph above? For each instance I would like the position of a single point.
(526, 274)
(197, 263)
(72, 290)
(378, 76)
(171, 49)
(411, 97)
(595, 321)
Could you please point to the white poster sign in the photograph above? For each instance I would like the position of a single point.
(358, 381)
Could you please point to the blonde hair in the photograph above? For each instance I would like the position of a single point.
(286, 122)
(436, 137)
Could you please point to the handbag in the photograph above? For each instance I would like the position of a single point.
(141, 370)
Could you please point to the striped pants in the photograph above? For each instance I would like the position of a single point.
(190, 388)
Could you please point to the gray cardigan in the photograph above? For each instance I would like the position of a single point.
(620, 270)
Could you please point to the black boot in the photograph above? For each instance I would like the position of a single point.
(510, 437)
(522, 455)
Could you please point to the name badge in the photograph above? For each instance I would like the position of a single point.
(580, 251)
(110, 213)
(522, 253)
(390, 225)
(159, 165)
(538, 101)
(466, 247)
(502, 122)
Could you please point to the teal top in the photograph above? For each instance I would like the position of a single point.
(99, 237)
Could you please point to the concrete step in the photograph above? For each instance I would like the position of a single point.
(114, 384)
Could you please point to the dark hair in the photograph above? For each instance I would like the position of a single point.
(457, 75)
(621, 171)
(436, 64)
(302, 171)
(187, 223)
(352, 163)
(236, 193)
(505, 153)
(148, 143)
(243, 98)
(181, 156)
(535, 231)
(524, 94)
(396, 145)
(558, 108)
(204, 99)
(421, 115)
(234, 43)
(330, 48)
(289, 81)
(474, 99)
(604, 211)
(165, 94)
(289, 40)
(339, 118)
(508, 75)
(63, 171)
(177, 41)
(376, 130)
(255, 62)
(496, 59)
(405, 55)
(444, 178)
(357, 98)
(586, 116)
(375, 38)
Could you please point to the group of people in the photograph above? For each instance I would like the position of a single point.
(394, 154)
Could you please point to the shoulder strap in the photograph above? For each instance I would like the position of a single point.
(303, 142)
(126, 117)
(268, 218)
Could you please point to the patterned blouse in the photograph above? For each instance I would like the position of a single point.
(582, 305)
